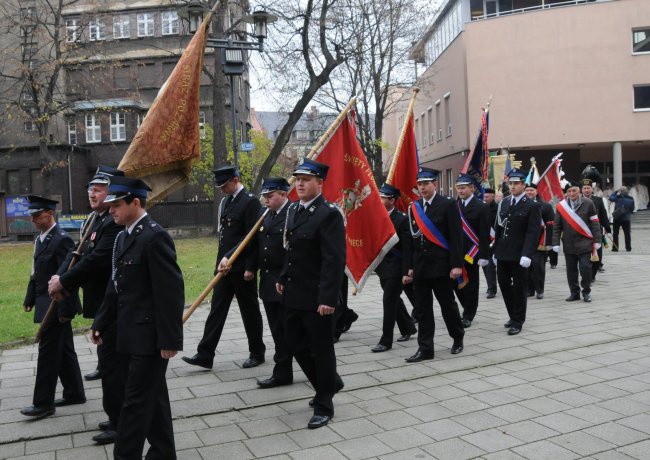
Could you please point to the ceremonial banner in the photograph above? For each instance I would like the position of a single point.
(168, 140)
(369, 232)
(406, 167)
(549, 187)
(477, 163)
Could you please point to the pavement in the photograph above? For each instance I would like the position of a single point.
(574, 384)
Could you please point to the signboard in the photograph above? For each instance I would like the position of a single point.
(247, 147)
(18, 219)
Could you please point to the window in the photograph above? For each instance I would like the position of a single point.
(145, 25)
(169, 23)
(71, 30)
(72, 132)
(424, 131)
(138, 120)
(30, 119)
(93, 129)
(641, 40)
(302, 135)
(642, 97)
(118, 126)
(450, 183)
(447, 114)
(431, 128)
(416, 128)
(438, 120)
(202, 124)
(13, 182)
(121, 27)
(97, 30)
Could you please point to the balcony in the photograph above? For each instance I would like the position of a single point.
(486, 9)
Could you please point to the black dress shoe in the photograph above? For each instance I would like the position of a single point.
(601, 270)
(252, 362)
(351, 318)
(379, 348)
(107, 437)
(69, 402)
(317, 421)
(586, 297)
(466, 322)
(514, 330)
(106, 426)
(540, 295)
(94, 375)
(273, 382)
(419, 356)
(572, 298)
(404, 338)
(38, 411)
(531, 294)
(491, 295)
(196, 360)
(457, 347)
(508, 324)
(553, 267)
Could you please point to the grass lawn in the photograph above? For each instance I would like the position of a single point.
(196, 258)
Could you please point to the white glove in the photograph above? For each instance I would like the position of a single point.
(494, 260)
(524, 262)
(556, 248)
(483, 262)
(597, 245)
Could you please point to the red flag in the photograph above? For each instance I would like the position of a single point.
(168, 139)
(351, 186)
(549, 187)
(406, 168)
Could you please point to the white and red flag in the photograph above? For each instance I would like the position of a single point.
(549, 187)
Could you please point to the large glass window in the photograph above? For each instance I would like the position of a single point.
(97, 30)
(641, 40)
(72, 132)
(169, 23)
(121, 27)
(93, 129)
(118, 126)
(71, 30)
(642, 97)
(145, 25)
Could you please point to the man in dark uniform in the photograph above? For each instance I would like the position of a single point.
(603, 218)
(56, 355)
(393, 271)
(537, 269)
(238, 212)
(490, 270)
(271, 255)
(437, 263)
(475, 219)
(577, 224)
(517, 237)
(92, 273)
(145, 299)
(310, 284)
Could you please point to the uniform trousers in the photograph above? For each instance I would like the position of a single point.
(146, 412)
(513, 282)
(394, 311)
(537, 272)
(309, 336)
(110, 363)
(578, 263)
(57, 359)
(442, 288)
(552, 258)
(283, 369)
(627, 231)
(468, 296)
(490, 272)
(233, 285)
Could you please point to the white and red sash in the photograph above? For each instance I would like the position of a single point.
(576, 223)
(470, 234)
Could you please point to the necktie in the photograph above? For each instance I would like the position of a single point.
(426, 206)
(514, 201)
(301, 208)
(228, 201)
(273, 215)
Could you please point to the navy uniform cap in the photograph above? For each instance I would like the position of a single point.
(104, 174)
(122, 187)
(465, 179)
(388, 191)
(531, 185)
(311, 168)
(489, 190)
(427, 174)
(517, 175)
(271, 184)
(223, 174)
(40, 203)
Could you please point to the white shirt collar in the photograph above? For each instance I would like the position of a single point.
(308, 203)
(45, 233)
(130, 228)
(518, 197)
(430, 199)
(282, 207)
(240, 187)
(466, 202)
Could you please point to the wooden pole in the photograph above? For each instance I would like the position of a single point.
(75, 257)
(402, 136)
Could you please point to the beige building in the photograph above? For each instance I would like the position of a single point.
(565, 76)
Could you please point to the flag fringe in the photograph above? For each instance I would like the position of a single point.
(392, 241)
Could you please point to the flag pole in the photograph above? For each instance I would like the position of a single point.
(402, 136)
(553, 160)
(314, 151)
(471, 155)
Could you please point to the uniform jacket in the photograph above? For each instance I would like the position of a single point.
(146, 295)
(269, 242)
(517, 230)
(430, 260)
(235, 221)
(602, 213)
(93, 269)
(315, 260)
(48, 257)
(573, 242)
(397, 262)
(548, 216)
(477, 214)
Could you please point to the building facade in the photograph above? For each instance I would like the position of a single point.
(564, 76)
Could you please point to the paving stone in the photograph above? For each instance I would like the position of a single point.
(513, 412)
(402, 439)
(234, 450)
(393, 420)
(616, 434)
(429, 412)
(478, 421)
(625, 406)
(82, 453)
(439, 430)
(48, 444)
(271, 445)
(563, 422)
(379, 405)
(264, 427)
(574, 398)
(362, 447)
(639, 450)
(355, 428)
(492, 440)
(318, 453)
(612, 455)
(528, 431)
(221, 434)
(594, 414)
(13, 449)
(452, 449)
(464, 404)
(544, 450)
(582, 443)
(307, 438)
(545, 405)
(416, 453)
(188, 454)
(42, 456)
(187, 440)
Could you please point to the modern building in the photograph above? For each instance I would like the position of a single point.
(564, 76)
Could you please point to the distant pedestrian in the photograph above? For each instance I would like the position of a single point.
(623, 209)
